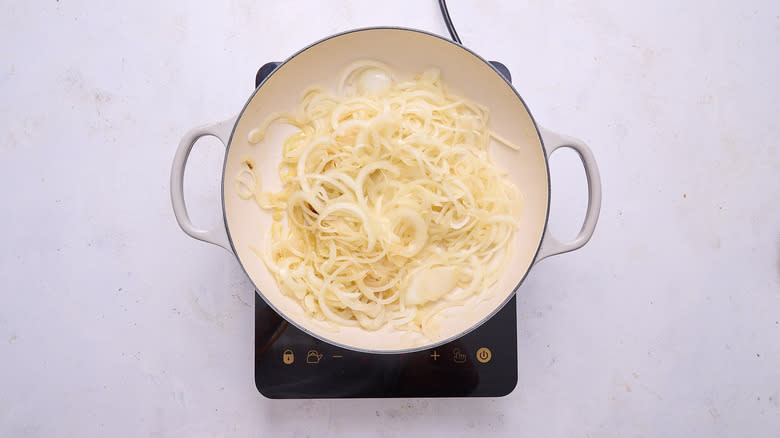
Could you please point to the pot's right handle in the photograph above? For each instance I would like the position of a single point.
(221, 130)
(550, 245)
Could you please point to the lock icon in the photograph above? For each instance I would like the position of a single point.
(288, 357)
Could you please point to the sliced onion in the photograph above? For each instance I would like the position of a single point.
(394, 211)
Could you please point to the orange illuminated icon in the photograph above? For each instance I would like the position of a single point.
(313, 357)
(484, 355)
(288, 357)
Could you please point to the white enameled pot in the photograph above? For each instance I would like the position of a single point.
(407, 52)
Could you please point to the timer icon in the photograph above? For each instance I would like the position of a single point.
(484, 355)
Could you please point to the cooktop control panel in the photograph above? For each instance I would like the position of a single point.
(292, 364)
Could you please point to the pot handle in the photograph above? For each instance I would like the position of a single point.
(550, 245)
(222, 131)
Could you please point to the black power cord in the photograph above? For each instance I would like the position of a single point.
(501, 68)
(448, 21)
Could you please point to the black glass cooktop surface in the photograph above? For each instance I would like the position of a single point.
(292, 364)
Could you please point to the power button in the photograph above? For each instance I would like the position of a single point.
(484, 355)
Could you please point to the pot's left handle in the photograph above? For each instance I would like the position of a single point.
(221, 130)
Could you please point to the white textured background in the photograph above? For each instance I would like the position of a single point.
(114, 323)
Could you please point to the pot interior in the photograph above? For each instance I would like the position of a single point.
(407, 52)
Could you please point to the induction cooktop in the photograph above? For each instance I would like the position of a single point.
(290, 364)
